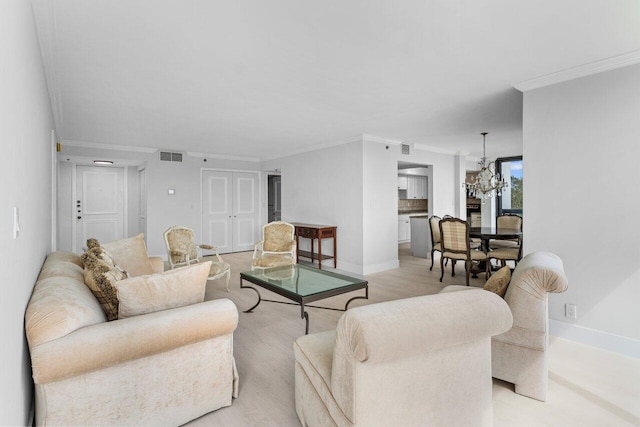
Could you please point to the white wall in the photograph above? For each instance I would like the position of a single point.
(26, 124)
(325, 187)
(354, 186)
(581, 199)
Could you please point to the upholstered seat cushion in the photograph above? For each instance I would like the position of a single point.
(496, 244)
(269, 260)
(475, 255)
(505, 253)
(217, 268)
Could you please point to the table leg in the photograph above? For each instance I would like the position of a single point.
(366, 296)
(320, 252)
(304, 315)
(297, 247)
(335, 252)
(249, 287)
(312, 241)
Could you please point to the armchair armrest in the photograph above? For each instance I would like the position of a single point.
(257, 249)
(208, 247)
(111, 343)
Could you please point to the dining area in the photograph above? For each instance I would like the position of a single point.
(480, 248)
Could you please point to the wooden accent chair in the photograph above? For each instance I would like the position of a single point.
(277, 247)
(182, 251)
(457, 246)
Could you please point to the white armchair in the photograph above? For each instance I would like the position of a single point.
(182, 250)
(519, 356)
(411, 362)
(277, 247)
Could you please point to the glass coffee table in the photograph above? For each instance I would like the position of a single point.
(303, 285)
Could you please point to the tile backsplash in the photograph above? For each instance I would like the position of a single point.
(413, 204)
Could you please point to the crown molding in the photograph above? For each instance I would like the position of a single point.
(113, 147)
(584, 70)
(381, 139)
(223, 157)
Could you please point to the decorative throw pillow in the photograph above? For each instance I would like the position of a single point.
(162, 291)
(100, 277)
(100, 253)
(131, 255)
(499, 281)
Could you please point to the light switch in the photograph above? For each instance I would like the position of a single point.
(171, 191)
(16, 223)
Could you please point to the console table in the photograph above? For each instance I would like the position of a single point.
(313, 232)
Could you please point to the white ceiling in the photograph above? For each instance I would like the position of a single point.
(261, 78)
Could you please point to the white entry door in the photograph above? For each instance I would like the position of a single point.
(230, 212)
(99, 204)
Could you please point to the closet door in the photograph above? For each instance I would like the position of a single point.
(230, 210)
(217, 209)
(245, 211)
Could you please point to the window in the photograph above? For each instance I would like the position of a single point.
(510, 202)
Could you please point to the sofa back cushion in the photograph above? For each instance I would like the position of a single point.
(131, 255)
(61, 303)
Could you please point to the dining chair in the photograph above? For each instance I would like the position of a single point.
(183, 251)
(434, 224)
(509, 221)
(507, 254)
(456, 246)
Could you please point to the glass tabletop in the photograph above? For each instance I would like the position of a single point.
(301, 280)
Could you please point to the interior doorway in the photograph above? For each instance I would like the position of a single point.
(274, 199)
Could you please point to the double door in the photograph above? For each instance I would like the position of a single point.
(230, 210)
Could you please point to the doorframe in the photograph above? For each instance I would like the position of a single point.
(267, 174)
(261, 211)
(74, 197)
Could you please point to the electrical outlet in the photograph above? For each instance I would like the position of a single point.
(571, 311)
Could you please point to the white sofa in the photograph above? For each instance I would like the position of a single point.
(519, 356)
(162, 368)
(411, 362)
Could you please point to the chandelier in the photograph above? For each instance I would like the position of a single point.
(487, 181)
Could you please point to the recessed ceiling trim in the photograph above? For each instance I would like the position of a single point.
(315, 148)
(101, 146)
(584, 70)
(222, 156)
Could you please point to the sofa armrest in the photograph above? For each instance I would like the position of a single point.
(107, 344)
(157, 263)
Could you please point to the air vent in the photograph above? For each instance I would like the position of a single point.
(165, 156)
(406, 149)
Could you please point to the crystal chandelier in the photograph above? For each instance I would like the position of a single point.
(486, 182)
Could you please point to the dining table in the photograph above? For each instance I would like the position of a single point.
(485, 234)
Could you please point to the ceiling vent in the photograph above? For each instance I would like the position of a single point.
(166, 156)
(406, 149)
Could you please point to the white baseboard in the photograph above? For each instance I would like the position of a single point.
(604, 340)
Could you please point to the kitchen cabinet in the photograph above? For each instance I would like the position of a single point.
(402, 182)
(417, 187)
(404, 229)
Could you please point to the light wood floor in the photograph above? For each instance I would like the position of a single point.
(587, 386)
